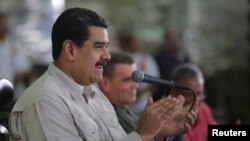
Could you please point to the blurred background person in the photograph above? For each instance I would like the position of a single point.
(130, 43)
(11, 66)
(170, 55)
(29, 26)
(191, 76)
(7, 75)
(7, 68)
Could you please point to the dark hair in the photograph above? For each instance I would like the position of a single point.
(185, 71)
(73, 25)
(116, 58)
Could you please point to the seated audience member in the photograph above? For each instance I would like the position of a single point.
(121, 91)
(64, 105)
(190, 75)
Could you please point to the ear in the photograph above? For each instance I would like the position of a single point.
(68, 49)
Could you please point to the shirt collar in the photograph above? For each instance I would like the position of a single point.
(87, 92)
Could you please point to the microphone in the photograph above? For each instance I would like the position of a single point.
(6, 92)
(138, 77)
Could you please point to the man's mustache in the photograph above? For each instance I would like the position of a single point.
(101, 63)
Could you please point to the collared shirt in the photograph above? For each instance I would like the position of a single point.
(54, 109)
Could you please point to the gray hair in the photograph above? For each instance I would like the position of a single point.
(185, 71)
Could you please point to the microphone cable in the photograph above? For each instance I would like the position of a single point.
(184, 87)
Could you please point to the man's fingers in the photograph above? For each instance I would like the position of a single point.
(181, 98)
(191, 117)
(158, 104)
(186, 127)
(170, 107)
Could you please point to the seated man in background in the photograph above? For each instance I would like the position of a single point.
(121, 91)
(190, 75)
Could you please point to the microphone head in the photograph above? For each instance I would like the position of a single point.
(6, 92)
(137, 76)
